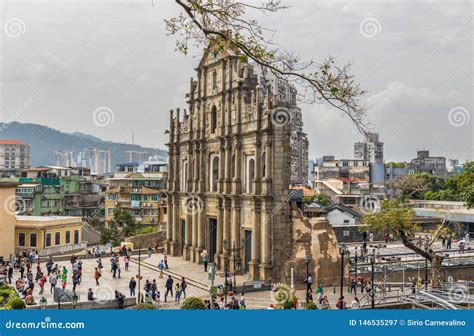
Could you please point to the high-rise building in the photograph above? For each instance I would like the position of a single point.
(64, 158)
(370, 149)
(99, 161)
(14, 154)
(137, 156)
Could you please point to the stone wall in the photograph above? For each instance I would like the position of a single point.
(314, 237)
(145, 240)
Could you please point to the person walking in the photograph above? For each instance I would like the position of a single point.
(165, 259)
(53, 280)
(169, 287)
(205, 259)
(177, 292)
(64, 280)
(183, 287)
(10, 273)
(131, 286)
(161, 267)
(309, 282)
(97, 275)
(448, 243)
(126, 261)
(443, 242)
(41, 283)
(149, 251)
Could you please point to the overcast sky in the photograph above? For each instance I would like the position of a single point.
(71, 64)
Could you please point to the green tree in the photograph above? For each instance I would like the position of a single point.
(322, 199)
(396, 218)
(193, 303)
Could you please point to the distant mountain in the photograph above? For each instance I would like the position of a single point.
(44, 141)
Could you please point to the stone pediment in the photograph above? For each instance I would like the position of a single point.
(212, 55)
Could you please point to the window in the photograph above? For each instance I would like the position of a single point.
(214, 173)
(68, 237)
(165, 211)
(154, 198)
(76, 236)
(264, 172)
(214, 80)
(21, 239)
(145, 198)
(57, 238)
(250, 174)
(346, 233)
(346, 221)
(32, 239)
(48, 240)
(213, 119)
(110, 211)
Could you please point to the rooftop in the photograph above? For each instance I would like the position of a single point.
(11, 142)
(44, 218)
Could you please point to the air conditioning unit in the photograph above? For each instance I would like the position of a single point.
(143, 204)
(115, 203)
(148, 204)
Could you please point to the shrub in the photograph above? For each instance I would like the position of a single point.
(193, 303)
(311, 306)
(16, 303)
(144, 306)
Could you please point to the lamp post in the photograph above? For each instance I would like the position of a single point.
(307, 260)
(237, 263)
(372, 290)
(212, 275)
(342, 250)
(139, 276)
(426, 269)
(74, 300)
(224, 244)
(356, 275)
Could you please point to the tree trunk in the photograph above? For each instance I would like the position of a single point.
(435, 259)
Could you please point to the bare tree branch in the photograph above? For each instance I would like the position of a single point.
(224, 24)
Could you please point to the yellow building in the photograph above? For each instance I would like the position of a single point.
(48, 234)
(138, 188)
(7, 218)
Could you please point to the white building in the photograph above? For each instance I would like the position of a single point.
(14, 154)
(64, 158)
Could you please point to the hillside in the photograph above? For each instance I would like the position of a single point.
(44, 141)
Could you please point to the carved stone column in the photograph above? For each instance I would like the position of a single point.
(256, 230)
